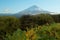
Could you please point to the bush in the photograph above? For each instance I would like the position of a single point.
(8, 24)
(44, 19)
(27, 21)
(51, 32)
(31, 21)
(18, 35)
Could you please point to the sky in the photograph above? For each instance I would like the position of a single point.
(15, 6)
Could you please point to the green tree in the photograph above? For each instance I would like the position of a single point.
(27, 21)
(44, 19)
(18, 35)
(8, 24)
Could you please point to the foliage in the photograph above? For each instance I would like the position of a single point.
(8, 24)
(44, 19)
(18, 35)
(56, 18)
(36, 27)
(31, 21)
(44, 32)
(27, 21)
(31, 34)
(49, 32)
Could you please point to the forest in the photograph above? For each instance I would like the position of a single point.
(30, 27)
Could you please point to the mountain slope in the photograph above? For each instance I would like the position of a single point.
(32, 11)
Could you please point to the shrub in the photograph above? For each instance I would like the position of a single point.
(49, 32)
(18, 35)
(44, 19)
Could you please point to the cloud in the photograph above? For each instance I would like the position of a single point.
(7, 10)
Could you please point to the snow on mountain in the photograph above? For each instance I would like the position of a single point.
(32, 11)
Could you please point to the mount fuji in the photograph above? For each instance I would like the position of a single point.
(31, 11)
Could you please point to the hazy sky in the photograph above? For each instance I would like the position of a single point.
(14, 6)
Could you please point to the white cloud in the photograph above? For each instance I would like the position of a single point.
(7, 10)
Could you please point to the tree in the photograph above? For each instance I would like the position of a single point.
(8, 24)
(17, 35)
(43, 19)
(12, 24)
(27, 21)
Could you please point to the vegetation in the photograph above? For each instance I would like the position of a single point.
(18, 35)
(30, 27)
(51, 32)
(29, 21)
